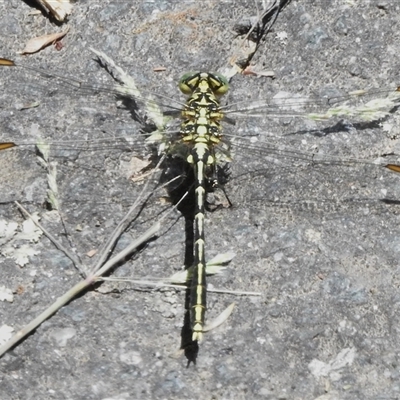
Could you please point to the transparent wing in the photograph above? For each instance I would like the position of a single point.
(366, 105)
(316, 153)
(313, 169)
(84, 130)
(49, 84)
(273, 147)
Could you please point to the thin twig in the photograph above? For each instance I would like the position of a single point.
(89, 280)
(53, 239)
(74, 291)
(128, 250)
(121, 227)
(160, 283)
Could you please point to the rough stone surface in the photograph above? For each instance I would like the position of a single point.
(315, 240)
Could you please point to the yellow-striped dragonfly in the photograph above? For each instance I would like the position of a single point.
(282, 169)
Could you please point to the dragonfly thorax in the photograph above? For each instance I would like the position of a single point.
(202, 113)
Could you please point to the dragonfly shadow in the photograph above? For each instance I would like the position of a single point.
(181, 192)
(345, 126)
(390, 202)
(128, 102)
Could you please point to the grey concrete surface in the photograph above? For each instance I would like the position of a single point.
(317, 241)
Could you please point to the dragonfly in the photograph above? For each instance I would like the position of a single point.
(211, 135)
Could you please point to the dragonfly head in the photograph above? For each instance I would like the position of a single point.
(191, 81)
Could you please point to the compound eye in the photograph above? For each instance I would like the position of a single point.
(219, 84)
(188, 82)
